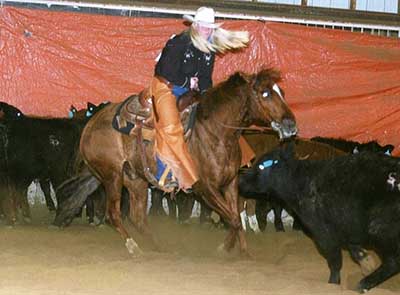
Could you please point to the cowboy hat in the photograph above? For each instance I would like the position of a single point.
(205, 17)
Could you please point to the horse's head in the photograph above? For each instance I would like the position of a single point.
(267, 103)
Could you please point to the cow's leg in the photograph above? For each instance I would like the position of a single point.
(277, 207)
(185, 203)
(205, 214)
(262, 209)
(156, 202)
(21, 200)
(296, 222)
(251, 215)
(333, 255)
(9, 206)
(90, 209)
(171, 207)
(99, 203)
(45, 186)
(389, 267)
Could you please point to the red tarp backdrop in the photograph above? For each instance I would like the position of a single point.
(339, 84)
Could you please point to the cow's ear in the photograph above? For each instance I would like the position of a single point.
(388, 148)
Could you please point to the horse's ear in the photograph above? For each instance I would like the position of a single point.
(239, 78)
(271, 74)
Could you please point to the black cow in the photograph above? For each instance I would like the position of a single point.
(344, 202)
(354, 147)
(35, 148)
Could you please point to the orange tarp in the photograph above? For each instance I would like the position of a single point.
(339, 84)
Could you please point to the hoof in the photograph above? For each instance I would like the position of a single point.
(27, 220)
(97, 221)
(360, 289)
(221, 248)
(133, 247)
(246, 255)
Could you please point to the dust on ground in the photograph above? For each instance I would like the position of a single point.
(82, 259)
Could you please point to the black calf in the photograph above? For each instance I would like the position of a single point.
(354, 147)
(343, 202)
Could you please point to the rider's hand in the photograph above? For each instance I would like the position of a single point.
(194, 83)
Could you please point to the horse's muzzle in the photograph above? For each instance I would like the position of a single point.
(286, 129)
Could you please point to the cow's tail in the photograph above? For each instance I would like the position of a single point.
(71, 196)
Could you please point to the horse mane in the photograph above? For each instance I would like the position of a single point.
(229, 90)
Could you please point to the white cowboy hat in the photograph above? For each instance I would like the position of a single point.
(205, 17)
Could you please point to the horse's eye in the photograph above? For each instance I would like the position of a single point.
(266, 93)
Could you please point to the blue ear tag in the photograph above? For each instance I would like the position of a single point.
(88, 114)
(70, 114)
(267, 164)
(388, 153)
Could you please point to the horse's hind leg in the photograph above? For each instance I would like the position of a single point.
(113, 188)
(137, 189)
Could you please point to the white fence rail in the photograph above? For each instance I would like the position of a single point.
(133, 10)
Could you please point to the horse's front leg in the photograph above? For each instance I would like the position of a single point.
(231, 195)
(226, 206)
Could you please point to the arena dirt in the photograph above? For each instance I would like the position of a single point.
(93, 260)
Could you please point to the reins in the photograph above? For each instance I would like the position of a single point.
(262, 129)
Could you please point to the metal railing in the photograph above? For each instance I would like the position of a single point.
(135, 10)
(388, 6)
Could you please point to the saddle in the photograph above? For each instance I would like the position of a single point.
(136, 112)
(134, 117)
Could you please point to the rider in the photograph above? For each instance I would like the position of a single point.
(186, 63)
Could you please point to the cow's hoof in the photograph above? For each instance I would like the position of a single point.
(361, 289)
(133, 247)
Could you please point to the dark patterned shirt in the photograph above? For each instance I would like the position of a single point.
(180, 61)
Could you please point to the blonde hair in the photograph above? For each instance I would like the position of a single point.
(221, 40)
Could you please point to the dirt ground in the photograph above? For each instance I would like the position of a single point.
(93, 260)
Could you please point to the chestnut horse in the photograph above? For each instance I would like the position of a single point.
(114, 158)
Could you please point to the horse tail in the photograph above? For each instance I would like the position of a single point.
(72, 194)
